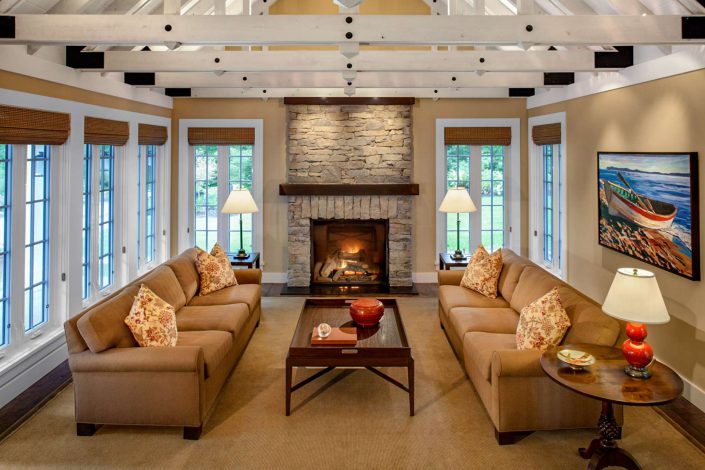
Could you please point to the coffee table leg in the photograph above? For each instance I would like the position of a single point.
(288, 386)
(410, 368)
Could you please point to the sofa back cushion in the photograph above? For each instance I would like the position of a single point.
(589, 323)
(534, 282)
(103, 325)
(512, 267)
(163, 282)
(184, 267)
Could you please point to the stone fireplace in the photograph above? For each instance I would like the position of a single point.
(351, 145)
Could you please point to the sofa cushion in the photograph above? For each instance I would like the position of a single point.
(244, 293)
(533, 283)
(512, 267)
(489, 320)
(456, 296)
(543, 323)
(479, 346)
(215, 346)
(184, 267)
(163, 282)
(482, 272)
(230, 318)
(214, 270)
(103, 325)
(152, 320)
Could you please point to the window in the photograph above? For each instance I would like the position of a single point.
(147, 194)
(5, 226)
(548, 203)
(240, 177)
(36, 288)
(98, 218)
(206, 205)
(552, 206)
(487, 161)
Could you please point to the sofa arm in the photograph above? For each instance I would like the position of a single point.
(450, 277)
(248, 276)
(517, 363)
(153, 359)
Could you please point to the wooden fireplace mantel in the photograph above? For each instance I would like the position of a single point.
(401, 189)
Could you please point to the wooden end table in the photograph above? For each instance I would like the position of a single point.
(607, 382)
(446, 261)
(250, 261)
(384, 345)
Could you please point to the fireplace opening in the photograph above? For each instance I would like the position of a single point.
(349, 251)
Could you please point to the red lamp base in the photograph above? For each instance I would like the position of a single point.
(637, 352)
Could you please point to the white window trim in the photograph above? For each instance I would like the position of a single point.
(512, 166)
(536, 196)
(185, 200)
(159, 227)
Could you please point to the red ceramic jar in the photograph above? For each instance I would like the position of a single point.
(366, 312)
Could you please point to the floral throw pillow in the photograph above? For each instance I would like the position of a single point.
(215, 270)
(542, 323)
(152, 320)
(482, 272)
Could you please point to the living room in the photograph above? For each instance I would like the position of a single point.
(390, 234)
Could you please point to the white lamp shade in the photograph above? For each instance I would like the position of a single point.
(239, 202)
(634, 296)
(457, 200)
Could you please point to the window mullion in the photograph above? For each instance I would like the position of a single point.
(18, 216)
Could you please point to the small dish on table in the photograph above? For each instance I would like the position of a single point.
(576, 359)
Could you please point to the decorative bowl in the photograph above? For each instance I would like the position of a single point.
(575, 359)
(366, 312)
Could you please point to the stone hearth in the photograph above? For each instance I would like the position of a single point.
(352, 144)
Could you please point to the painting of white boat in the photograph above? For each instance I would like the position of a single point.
(648, 208)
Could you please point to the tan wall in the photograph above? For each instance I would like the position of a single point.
(37, 86)
(424, 116)
(273, 112)
(663, 115)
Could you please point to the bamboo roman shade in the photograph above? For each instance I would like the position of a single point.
(221, 135)
(546, 134)
(31, 126)
(478, 135)
(149, 134)
(99, 131)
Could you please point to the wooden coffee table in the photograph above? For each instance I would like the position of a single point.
(607, 382)
(384, 345)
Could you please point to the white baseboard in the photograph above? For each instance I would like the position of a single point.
(419, 278)
(31, 368)
(694, 394)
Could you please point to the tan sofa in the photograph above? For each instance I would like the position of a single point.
(117, 382)
(517, 394)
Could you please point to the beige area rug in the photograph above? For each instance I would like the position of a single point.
(347, 420)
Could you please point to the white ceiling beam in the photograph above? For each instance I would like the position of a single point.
(332, 29)
(338, 92)
(332, 61)
(219, 7)
(172, 7)
(479, 7)
(525, 7)
(362, 80)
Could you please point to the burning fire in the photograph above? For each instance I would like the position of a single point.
(350, 245)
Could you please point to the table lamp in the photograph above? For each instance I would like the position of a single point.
(634, 297)
(240, 202)
(457, 200)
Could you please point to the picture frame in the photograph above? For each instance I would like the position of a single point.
(648, 208)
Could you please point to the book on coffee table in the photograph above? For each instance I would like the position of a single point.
(337, 337)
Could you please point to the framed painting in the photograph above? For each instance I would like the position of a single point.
(648, 208)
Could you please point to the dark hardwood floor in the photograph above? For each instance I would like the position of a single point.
(683, 415)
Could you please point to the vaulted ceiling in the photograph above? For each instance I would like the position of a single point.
(429, 48)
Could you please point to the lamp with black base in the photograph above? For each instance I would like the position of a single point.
(457, 200)
(240, 202)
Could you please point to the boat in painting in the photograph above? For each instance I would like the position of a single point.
(639, 209)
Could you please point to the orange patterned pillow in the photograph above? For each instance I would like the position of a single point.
(542, 323)
(482, 272)
(215, 270)
(152, 320)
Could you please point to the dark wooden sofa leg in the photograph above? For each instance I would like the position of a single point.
(192, 433)
(510, 437)
(85, 429)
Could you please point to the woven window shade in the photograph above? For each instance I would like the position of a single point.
(31, 126)
(546, 134)
(99, 131)
(478, 135)
(221, 135)
(149, 134)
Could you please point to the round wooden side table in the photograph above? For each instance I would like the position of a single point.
(607, 382)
